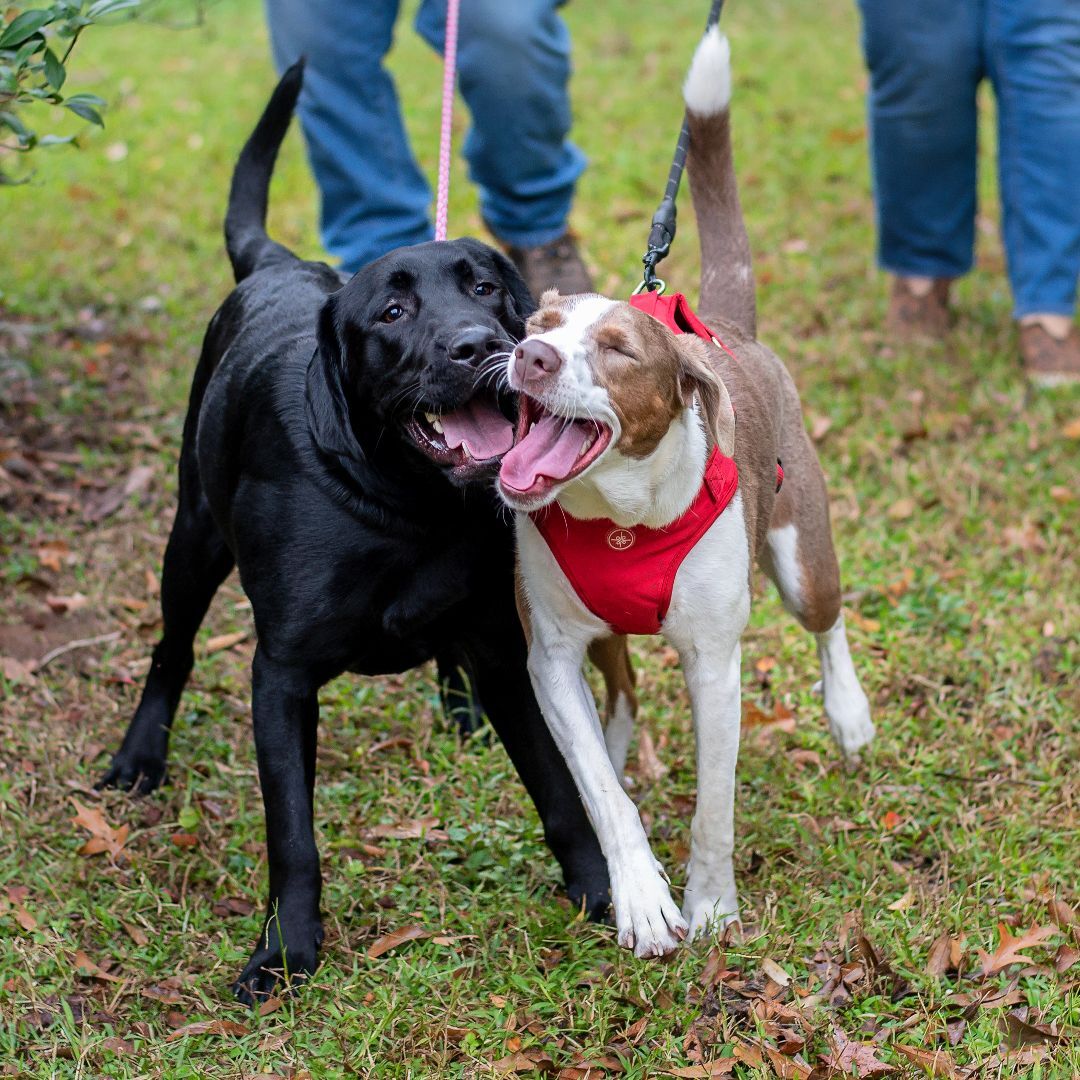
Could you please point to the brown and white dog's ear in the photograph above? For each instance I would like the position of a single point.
(548, 297)
(697, 376)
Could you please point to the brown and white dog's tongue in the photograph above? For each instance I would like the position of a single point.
(480, 428)
(550, 449)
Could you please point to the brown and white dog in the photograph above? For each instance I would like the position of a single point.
(619, 415)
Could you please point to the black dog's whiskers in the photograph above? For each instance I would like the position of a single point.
(408, 388)
(491, 369)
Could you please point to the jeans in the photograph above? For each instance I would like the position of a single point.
(513, 69)
(926, 59)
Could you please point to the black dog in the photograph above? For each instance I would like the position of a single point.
(338, 449)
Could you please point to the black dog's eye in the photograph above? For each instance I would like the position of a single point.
(485, 288)
(392, 313)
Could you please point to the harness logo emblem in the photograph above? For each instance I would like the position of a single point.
(620, 539)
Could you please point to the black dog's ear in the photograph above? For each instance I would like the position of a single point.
(327, 400)
(329, 335)
(515, 285)
(522, 300)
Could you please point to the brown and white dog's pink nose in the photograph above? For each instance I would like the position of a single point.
(534, 363)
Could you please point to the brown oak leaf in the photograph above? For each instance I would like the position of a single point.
(103, 837)
(1009, 950)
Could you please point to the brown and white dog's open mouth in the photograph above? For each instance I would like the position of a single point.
(475, 434)
(548, 450)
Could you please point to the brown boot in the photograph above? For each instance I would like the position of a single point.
(1050, 360)
(918, 308)
(555, 265)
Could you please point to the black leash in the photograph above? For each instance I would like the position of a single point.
(662, 233)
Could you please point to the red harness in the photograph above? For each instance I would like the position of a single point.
(625, 576)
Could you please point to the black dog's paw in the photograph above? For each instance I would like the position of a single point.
(591, 896)
(268, 972)
(139, 774)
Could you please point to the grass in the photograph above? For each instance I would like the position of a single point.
(954, 494)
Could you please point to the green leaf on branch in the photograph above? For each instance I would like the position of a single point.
(109, 7)
(27, 49)
(23, 26)
(86, 106)
(54, 70)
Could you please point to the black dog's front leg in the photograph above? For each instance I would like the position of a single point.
(285, 707)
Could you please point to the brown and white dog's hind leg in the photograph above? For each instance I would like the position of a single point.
(611, 656)
(800, 559)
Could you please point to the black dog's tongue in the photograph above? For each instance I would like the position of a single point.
(480, 428)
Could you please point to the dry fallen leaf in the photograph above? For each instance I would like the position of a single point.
(52, 554)
(932, 1062)
(1019, 1033)
(207, 1027)
(904, 902)
(786, 1068)
(1025, 536)
(775, 972)
(524, 1061)
(1072, 429)
(1064, 958)
(225, 641)
(847, 1055)
(396, 938)
(1009, 948)
(1061, 913)
(869, 626)
(103, 837)
(716, 1067)
(426, 828)
(902, 509)
(944, 955)
(137, 935)
(116, 1045)
(85, 966)
(63, 604)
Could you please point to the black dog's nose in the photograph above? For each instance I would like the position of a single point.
(474, 344)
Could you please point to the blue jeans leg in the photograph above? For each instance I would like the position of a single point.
(925, 63)
(514, 67)
(1033, 56)
(374, 196)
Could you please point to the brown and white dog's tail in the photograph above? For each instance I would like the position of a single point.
(727, 276)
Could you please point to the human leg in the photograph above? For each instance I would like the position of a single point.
(925, 64)
(374, 197)
(514, 67)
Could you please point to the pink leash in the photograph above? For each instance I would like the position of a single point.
(442, 203)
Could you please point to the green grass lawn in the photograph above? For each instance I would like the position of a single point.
(955, 507)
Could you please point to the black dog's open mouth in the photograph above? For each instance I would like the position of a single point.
(476, 433)
(549, 450)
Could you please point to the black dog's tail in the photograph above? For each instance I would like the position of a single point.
(246, 240)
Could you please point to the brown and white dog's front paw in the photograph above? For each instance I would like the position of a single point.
(706, 911)
(647, 919)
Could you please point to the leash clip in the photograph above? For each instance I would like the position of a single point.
(650, 283)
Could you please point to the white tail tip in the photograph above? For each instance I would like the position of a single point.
(707, 89)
